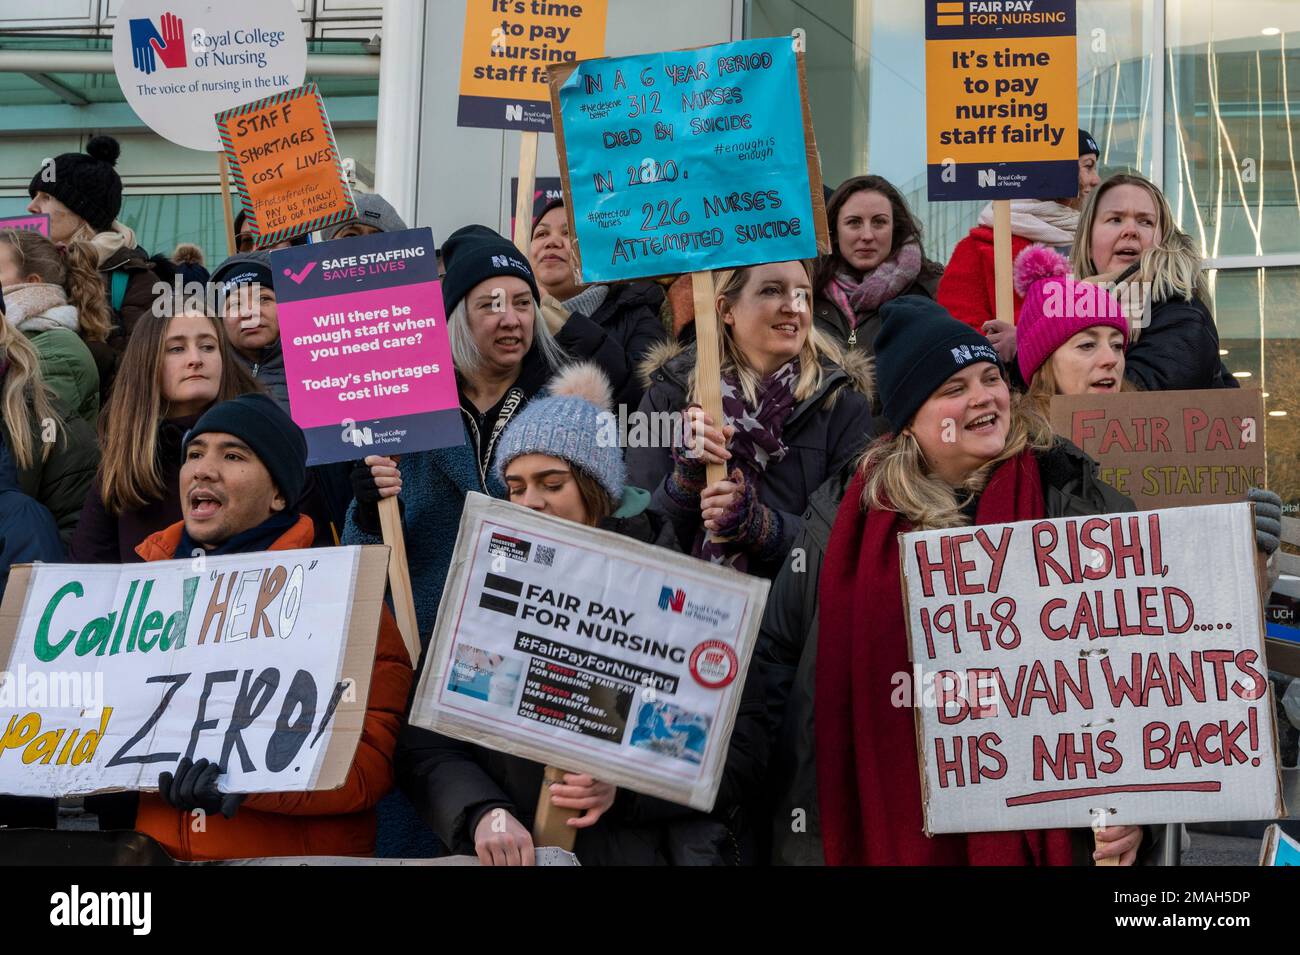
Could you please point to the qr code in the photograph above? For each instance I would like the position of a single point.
(544, 555)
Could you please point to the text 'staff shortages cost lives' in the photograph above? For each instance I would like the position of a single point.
(365, 343)
(1001, 104)
(687, 161)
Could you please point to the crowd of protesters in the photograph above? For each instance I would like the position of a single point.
(139, 425)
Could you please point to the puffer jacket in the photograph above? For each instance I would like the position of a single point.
(786, 653)
(822, 433)
(67, 365)
(329, 822)
(833, 323)
(1178, 350)
(62, 480)
(453, 784)
(629, 315)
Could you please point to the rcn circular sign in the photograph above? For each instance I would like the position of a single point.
(180, 62)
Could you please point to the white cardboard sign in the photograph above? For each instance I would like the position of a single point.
(260, 662)
(1072, 670)
(180, 62)
(590, 651)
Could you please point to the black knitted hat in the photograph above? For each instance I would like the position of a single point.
(85, 182)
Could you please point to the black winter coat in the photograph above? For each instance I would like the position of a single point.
(1178, 350)
(833, 323)
(785, 657)
(630, 317)
(823, 433)
(453, 784)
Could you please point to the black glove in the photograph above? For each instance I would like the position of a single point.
(194, 786)
(366, 492)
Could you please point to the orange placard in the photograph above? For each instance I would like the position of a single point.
(286, 165)
(508, 46)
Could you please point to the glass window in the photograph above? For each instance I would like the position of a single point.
(1259, 335)
(1232, 115)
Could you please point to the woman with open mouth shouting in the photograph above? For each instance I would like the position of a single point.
(1128, 237)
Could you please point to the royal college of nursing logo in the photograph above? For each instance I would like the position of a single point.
(672, 600)
(166, 41)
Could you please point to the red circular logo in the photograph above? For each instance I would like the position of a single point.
(714, 664)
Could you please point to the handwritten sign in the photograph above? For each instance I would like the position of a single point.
(1170, 448)
(260, 662)
(29, 223)
(1001, 98)
(509, 45)
(365, 344)
(286, 165)
(583, 649)
(1065, 668)
(689, 161)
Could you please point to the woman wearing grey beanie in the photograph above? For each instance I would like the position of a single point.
(554, 459)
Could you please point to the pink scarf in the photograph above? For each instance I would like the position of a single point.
(859, 300)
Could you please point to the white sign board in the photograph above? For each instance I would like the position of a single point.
(180, 62)
(1094, 667)
(590, 651)
(259, 662)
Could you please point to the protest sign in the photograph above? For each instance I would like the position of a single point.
(689, 161)
(589, 651)
(1079, 670)
(28, 223)
(1278, 848)
(260, 662)
(1170, 448)
(286, 165)
(368, 364)
(1001, 100)
(180, 62)
(365, 345)
(509, 45)
(545, 188)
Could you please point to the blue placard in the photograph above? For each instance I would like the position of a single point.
(687, 161)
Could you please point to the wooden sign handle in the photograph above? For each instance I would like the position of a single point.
(1006, 309)
(399, 576)
(708, 363)
(226, 209)
(1096, 843)
(550, 824)
(527, 184)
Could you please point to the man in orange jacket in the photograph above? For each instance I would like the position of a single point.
(243, 471)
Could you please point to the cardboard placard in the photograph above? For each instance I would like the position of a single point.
(28, 223)
(689, 160)
(1071, 670)
(586, 650)
(1278, 848)
(365, 345)
(180, 62)
(1001, 100)
(509, 44)
(260, 662)
(1170, 448)
(286, 165)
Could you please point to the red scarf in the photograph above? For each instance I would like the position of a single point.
(868, 777)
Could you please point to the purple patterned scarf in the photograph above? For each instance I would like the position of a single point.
(755, 445)
(859, 300)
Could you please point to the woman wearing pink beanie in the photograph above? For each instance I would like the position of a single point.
(1071, 335)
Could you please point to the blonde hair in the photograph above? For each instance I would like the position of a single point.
(816, 346)
(76, 272)
(25, 394)
(1171, 268)
(898, 478)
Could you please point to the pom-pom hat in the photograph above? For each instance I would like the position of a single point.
(1056, 307)
(85, 182)
(566, 424)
